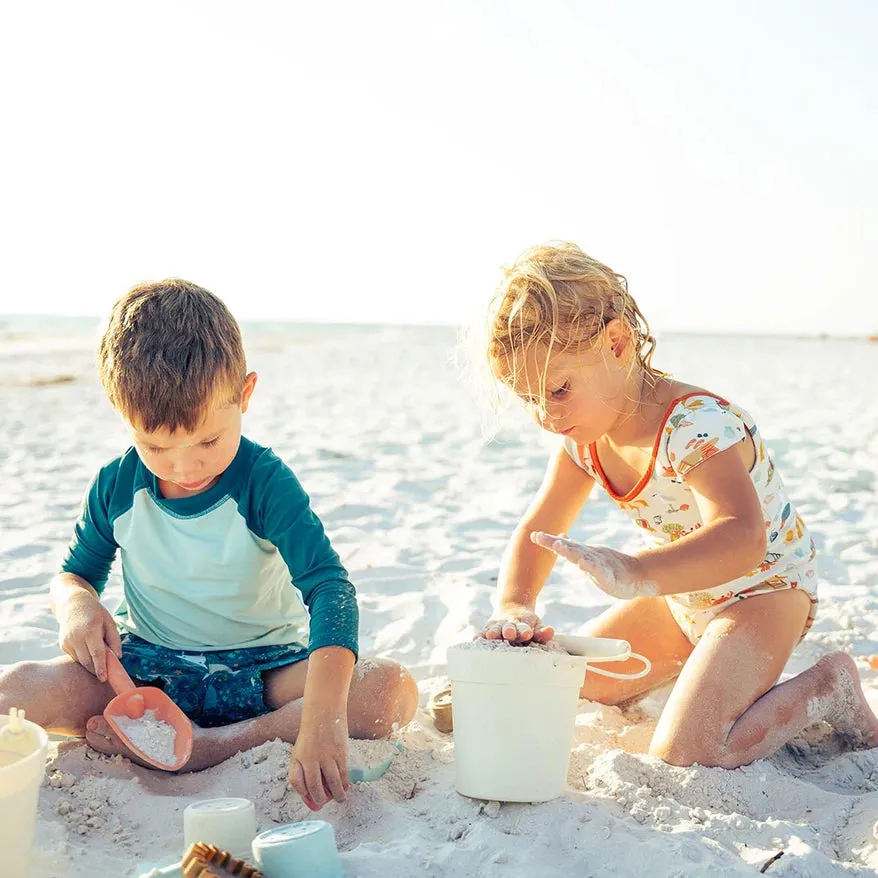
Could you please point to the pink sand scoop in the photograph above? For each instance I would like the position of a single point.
(133, 701)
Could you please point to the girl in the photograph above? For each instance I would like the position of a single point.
(728, 585)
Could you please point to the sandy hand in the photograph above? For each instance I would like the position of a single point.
(517, 625)
(319, 761)
(612, 572)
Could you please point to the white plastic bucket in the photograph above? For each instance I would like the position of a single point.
(22, 768)
(515, 713)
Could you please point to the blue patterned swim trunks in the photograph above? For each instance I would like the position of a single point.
(212, 688)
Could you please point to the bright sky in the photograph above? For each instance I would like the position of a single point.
(353, 161)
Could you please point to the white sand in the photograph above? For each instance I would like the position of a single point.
(387, 443)
(153, 737)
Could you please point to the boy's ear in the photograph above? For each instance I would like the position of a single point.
(618, 336)
(247, 392)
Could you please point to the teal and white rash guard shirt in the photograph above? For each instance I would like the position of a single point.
(232, 567)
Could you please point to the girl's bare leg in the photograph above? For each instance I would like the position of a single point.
(59, 694)
(725, 709)
(382, 695)
(647, 624)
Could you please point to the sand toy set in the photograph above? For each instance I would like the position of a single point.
(221, 840)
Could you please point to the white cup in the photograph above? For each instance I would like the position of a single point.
(230, 824)
(298, 850)
(23, 747)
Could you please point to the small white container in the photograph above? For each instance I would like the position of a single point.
(230, 824)
(23, 747)
(298, 850)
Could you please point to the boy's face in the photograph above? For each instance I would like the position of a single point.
(187, 464)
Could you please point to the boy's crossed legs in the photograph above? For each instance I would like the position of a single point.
(63, 697)
(725, 709)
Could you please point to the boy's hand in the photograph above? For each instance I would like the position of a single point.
(615, 573)
(319, 762)
(86, 631)
(517, 625)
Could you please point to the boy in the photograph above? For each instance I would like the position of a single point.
(220, 553)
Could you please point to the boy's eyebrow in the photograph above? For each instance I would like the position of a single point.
(208, 438)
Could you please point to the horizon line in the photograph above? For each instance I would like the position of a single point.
(865, 336)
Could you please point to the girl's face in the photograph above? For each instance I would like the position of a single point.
(587, 390)
(187, 464)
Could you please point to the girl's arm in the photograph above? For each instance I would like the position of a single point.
(732, 540)
(524, 567)
(730, 543)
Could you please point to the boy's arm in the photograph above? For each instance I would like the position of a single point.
(65, 587)
(91, 552)
(283, 515)
(318, 762)
(85, 627)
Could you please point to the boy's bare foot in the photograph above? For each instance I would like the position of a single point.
(844, 706)
(102, 738)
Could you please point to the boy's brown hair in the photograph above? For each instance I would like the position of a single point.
(169, 349)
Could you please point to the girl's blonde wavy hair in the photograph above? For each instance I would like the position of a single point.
(557, 298)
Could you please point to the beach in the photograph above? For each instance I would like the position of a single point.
(383, 430)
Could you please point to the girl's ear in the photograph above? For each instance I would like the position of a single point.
(247, 392)
(618, 336)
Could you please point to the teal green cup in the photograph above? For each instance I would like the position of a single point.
(298, 850)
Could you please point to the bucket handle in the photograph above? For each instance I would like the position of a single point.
(647, 667)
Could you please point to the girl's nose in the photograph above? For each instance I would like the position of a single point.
(549, 416)
(543, 417)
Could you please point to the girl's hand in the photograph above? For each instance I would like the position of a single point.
(612, 572)
(319, 761)
(517, 625)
